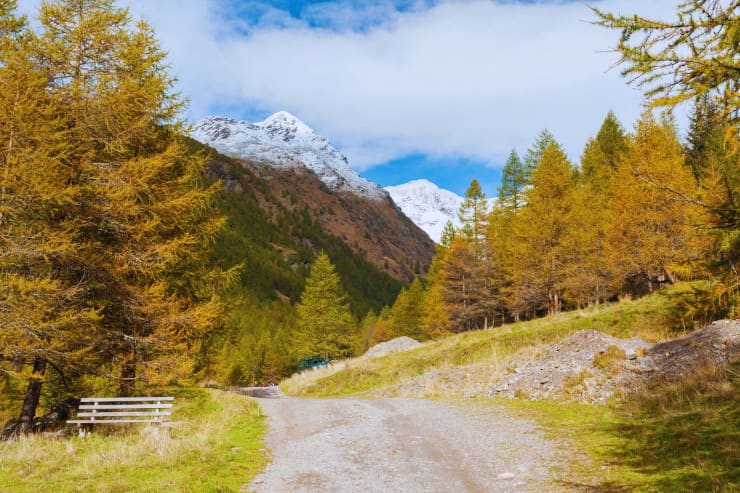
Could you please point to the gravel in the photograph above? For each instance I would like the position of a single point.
(403, 445)
(569, 370)
(398, 344)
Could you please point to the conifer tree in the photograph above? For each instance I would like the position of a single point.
(45, 320)
(435, 320)
(473, 213)
(695, 56)
(324, 323)
(448, 233)
(592, 281)
(123, 211)
(407, 312)
(534, 154)
(541, 251)
(513, 181)
(602, 153)
(467, 291)
(649, 232)
(691, 56)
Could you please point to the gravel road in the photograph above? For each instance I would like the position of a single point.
(401, 445)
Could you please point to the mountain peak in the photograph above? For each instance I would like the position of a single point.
(282, 117)
(283, 140)
(288, 121)
(427, 205)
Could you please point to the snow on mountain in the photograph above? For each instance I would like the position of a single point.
(285, 141)
(427, 205)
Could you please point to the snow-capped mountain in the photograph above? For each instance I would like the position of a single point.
(427, 205)
(283, 140)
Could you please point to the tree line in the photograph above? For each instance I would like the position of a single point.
(560, 236)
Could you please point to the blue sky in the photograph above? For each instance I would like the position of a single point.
(436, 89)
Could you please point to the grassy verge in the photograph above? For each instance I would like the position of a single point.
(678, 437)
(653, 318)
(217, 448)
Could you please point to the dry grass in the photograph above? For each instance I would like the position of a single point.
(217, 447)
(652, 318)
(611, 356)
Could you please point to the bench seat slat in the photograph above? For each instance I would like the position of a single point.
(111, 421)
(126, 399)
(125, 406)
(117, 414)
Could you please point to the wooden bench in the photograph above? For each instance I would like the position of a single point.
(114, 410)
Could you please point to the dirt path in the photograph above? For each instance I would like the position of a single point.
(401, 445)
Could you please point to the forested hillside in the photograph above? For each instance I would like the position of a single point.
(274, 239)
(640, 211)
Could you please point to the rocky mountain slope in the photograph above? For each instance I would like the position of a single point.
(306, 175)
(284, 141)
(429, 206)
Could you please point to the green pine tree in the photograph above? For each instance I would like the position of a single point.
(513, 181)
(324, 322)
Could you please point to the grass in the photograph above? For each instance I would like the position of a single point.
(609, 358)
(217, 448)
(653, 318)
(677, 437)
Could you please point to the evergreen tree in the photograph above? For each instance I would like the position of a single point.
(448, 234)
(602, 154)
(324, 324)
(407, 312)
(473, 213)
(513, 182)
(534, 154)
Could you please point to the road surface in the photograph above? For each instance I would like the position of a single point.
(401, 445)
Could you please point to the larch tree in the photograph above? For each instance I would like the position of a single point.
(122, 214)
(473, 213)
(148, 208)
(678, 60)
(435, 319)
(325, 325)
(694, 57)
(45, 319)
(407, 312)
(541, 247)
(592, 281)
(468, 292)
(648, 236)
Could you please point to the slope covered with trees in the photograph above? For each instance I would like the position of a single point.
(132, 255)
(641, 211)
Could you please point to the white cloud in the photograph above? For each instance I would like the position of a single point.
(470, 78)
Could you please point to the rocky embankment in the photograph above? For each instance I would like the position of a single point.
(593, 367)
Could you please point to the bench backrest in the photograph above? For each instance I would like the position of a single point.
(101, 410)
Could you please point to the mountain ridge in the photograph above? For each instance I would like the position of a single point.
(309, 176)
(283, 140)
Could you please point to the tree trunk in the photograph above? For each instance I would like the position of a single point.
(31, 399)
(128, 375)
